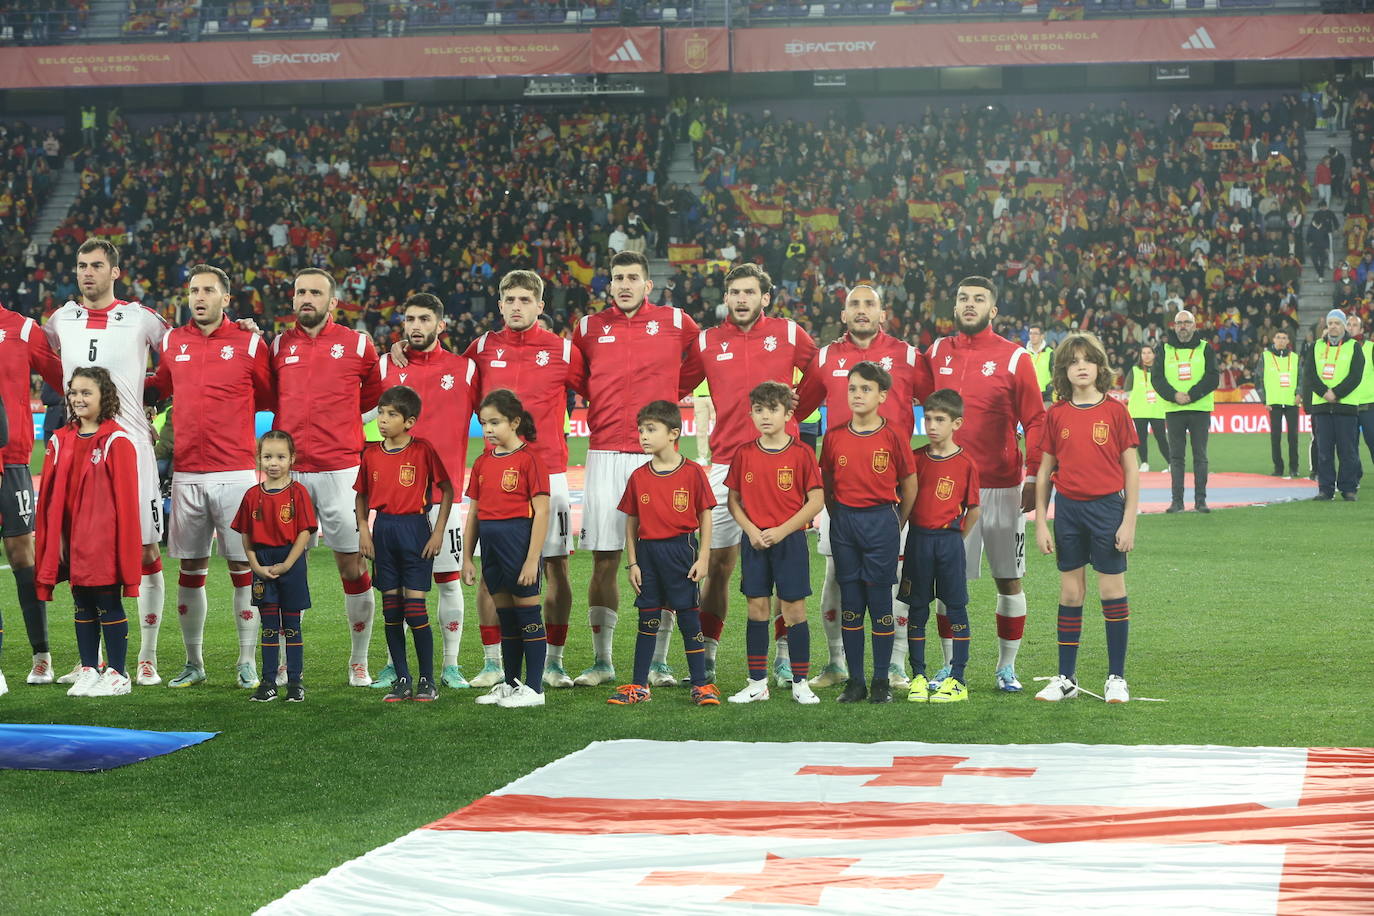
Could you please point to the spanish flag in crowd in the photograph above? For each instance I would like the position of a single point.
(581, 271)
(925, 210)
(822, 219)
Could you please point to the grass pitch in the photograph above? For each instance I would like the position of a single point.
(1252, 623)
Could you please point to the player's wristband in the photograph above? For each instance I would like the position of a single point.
(632, 565)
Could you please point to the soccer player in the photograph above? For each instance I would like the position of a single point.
(217, 373)
(775, 492)
(1000, 390)
(945, 510)
(1090, 458)
(870, 484)
(447, 385)
(1185, 375)
(633, 354)
(24, 350)
(326, 378)
(667, 501)
(747, 349)
(826, 381)
(540, 367)
(116, 335)
(396, 479)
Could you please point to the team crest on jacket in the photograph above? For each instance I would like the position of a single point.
(336, 351)
(944, 488)
(95, 455)
(886, 363)
(226, 352)
(541, 358)
(510, 479)
(1100, 432)
(287, 511)
(770, 343)
(651, 328)
(882, 460)
(680, 500)
(786, 476)
(446, 382)
(989, 367)
(407, 475)
(2, 335)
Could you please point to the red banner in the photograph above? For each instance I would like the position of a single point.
(609, 50)
(990, 44)
(697, 50)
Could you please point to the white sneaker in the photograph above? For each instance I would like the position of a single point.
(896, 677)
(358, 676)
(1116, 690)
(111, 684)
(753, 692)
(4, 688)
(495, 695)
(41, 672)
(660, 675)
(71, 676)
(1144, 467)
(1059, 688)
(522, 695)
(803, 694)
(86, 678)
(147, 675)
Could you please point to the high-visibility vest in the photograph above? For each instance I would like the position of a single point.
(1183, 368)
(88, 119)
(1044, 366)
(1333, 365)
(1364, 391)
(1280, 379)
(1144, 402)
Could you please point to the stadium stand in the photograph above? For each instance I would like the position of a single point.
(25, 182)
(42, 22)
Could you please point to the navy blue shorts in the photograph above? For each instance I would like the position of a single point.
(785, 566)
(399, 542)
(864, 544)
(663, 568)
(291, 590)
(16, 501)
(1085, 532)
(505, 544)
(933, 567)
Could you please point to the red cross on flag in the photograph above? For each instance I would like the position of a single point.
(719, 827)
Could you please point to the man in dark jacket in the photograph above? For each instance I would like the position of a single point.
(1333, 370)
(1185, 376)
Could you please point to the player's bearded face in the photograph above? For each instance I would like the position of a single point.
(973, 309)
(310, 307)
(629, 288)
(422, 328)
(746, 302)
(95, 277)
(862, 315)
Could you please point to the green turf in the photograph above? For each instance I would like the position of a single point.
(1250, 622)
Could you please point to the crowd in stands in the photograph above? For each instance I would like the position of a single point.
(41, 22)
(26, 179)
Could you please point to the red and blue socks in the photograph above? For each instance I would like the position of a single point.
(799, 643)
(113, 627)
(421, 633)
(852, 627)
(689, 625)
(1070, 633)
(1117, 613)
(756, 649)
(959, 630)
(534, 645)
(270, 617)
(393, 617)
(646, 637)
(879, 600)
(295, 646)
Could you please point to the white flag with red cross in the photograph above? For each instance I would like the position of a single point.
(719, 827)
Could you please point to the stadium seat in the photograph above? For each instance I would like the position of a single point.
(211, 27)
(670, 14)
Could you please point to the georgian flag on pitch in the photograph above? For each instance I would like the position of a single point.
(720, 827)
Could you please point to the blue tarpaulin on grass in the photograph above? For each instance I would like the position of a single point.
(86, 748)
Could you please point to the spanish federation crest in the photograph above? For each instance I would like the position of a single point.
(786, 477)
(446, 382)
(651, 328)
(882, 460)
(770, 343)
(336, 351)
(541, 358)
(1100, 432)
(226, 352)
(287, 511)
(407, 475)
(510, 479)
(989, 367)
(944, 488)
(695, 52)
(680, 500)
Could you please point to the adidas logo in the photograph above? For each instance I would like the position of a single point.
(626, 52)
(1199, 40)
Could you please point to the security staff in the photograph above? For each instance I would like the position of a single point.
(1280, 380)
(1364, 392)
(1185, 376)
(1042, 358)
(1146, 408)
(1334, 369)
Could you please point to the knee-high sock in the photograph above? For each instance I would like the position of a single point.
(558, 638)
(784, 651)
(664, 639)
(879, 600)
(151, 596)
(711, 627)
(1011, 622)
(491, 643)
(295, 644)
(689, 622)
(270, 615)
(756, 649)
(191, 607)
(602, 620)
(394, 622)
(35, 611)
(87, 626)
(899, 632)
(534, 645)
(830, 613)
(1070, 631)
(360, 605)
(918, 617)
(645, 637)
(852, 627)
(421, 633)
(512, 652)
(799, 639)
(942, 628)
(958, 624)
(114, 628)
(450, 612)
(1117, 613)
(245, 615)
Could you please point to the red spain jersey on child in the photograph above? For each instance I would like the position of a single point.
(274, 519)
(773, 485)
(946, 488)
(1087, 442)
(866, 467)
(667, 504)
(504, 483)
(399, 482)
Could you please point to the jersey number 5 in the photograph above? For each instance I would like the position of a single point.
(90, 354)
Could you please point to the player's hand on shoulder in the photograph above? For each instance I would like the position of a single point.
(249, 325)
(398, 355)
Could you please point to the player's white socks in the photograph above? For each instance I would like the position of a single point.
(451, 618)
(712, 645)
(1012, 607)
(784, 654)
(191, 609)
(942, 627)
(245, 617)
(360, 605)
(603, 621)
(667, 622)
(152, 592)
(830, 613)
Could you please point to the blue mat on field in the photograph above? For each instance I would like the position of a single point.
(86, 748)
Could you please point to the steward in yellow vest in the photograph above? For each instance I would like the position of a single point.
(1184, 376)
(1332, 373)
(1280, 375)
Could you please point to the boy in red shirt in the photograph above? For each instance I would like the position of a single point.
(395, 477)
(775, 492)
(1090, 456)
(667, 500)
(946, 508)
(870, 484)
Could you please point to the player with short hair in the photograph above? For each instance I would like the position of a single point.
(748, 348)
(633, 354)
(118, 336)
(218, 375)
(447, 384)
(326, 378)
(997, 381)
